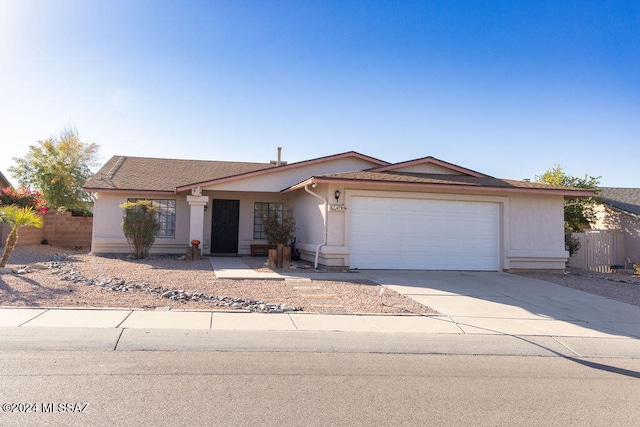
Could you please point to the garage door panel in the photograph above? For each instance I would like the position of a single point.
(424, 234)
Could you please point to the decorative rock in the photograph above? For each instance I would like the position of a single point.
(65, 271)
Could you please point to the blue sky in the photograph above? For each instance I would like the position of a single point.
(507, 88)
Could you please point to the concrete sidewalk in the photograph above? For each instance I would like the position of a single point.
(497, 312)
(112, 329)
(233, 267)
(216, 320)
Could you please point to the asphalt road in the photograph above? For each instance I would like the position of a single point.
(243, 388)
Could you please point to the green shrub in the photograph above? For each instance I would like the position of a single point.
(571, 243)
(140, 226)
(279, 227)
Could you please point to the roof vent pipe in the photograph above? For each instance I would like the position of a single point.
(279, 161)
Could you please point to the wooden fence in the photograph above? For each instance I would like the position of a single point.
(599, 250)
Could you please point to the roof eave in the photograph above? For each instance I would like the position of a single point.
(571, 194)
(4, 179)
(125, 190)
(623, 211)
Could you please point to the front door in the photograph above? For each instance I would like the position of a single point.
(225, 221)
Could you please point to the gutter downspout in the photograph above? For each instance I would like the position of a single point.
(324, 202)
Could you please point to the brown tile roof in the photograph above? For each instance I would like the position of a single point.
(124, 173)
(353, 154)
(163, 175)
(623, 199)
(409, 178)
(428, 159)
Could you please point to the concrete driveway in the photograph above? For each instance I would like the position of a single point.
(502, 303)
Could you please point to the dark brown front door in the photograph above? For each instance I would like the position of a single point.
(224, 226)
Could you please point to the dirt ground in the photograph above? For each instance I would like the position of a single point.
(45, 287)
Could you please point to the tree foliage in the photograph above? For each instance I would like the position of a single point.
(140, 225)
(59, 167)
(23, 197)
(279, 227)
(16, 217)
(578, 213)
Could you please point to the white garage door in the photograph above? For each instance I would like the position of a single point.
(389, 233)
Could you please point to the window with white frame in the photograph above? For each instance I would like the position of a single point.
(259, 210)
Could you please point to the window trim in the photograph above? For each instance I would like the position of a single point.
(258, 234)
(167, 227)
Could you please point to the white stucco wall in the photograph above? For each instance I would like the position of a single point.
(309, 213)
(277, 180)
(428, 168)
(109, 238)
(536, 233)
(107, 216)
(531, 226)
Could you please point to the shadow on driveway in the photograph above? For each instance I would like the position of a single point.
(503, 303)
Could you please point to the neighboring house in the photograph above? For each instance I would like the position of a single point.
(4, 182)
(619, 211)
(351, 210)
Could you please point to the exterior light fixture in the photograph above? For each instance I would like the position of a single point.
(337, 195)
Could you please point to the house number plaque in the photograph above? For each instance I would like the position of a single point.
(337, 208)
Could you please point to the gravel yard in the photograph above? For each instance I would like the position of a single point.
(44, 288)
(146, 281)
(622, 287)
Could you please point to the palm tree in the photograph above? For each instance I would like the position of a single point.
(16, 217)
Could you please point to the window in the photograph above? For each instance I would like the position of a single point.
(259, 209)
(166, 216)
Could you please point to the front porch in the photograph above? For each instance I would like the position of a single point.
(230, 222)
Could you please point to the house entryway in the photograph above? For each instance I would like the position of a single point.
(225, 221)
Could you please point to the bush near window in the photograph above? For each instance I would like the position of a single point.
(279, 227)
(140, 226)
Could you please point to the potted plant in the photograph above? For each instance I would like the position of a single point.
(280, 229)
